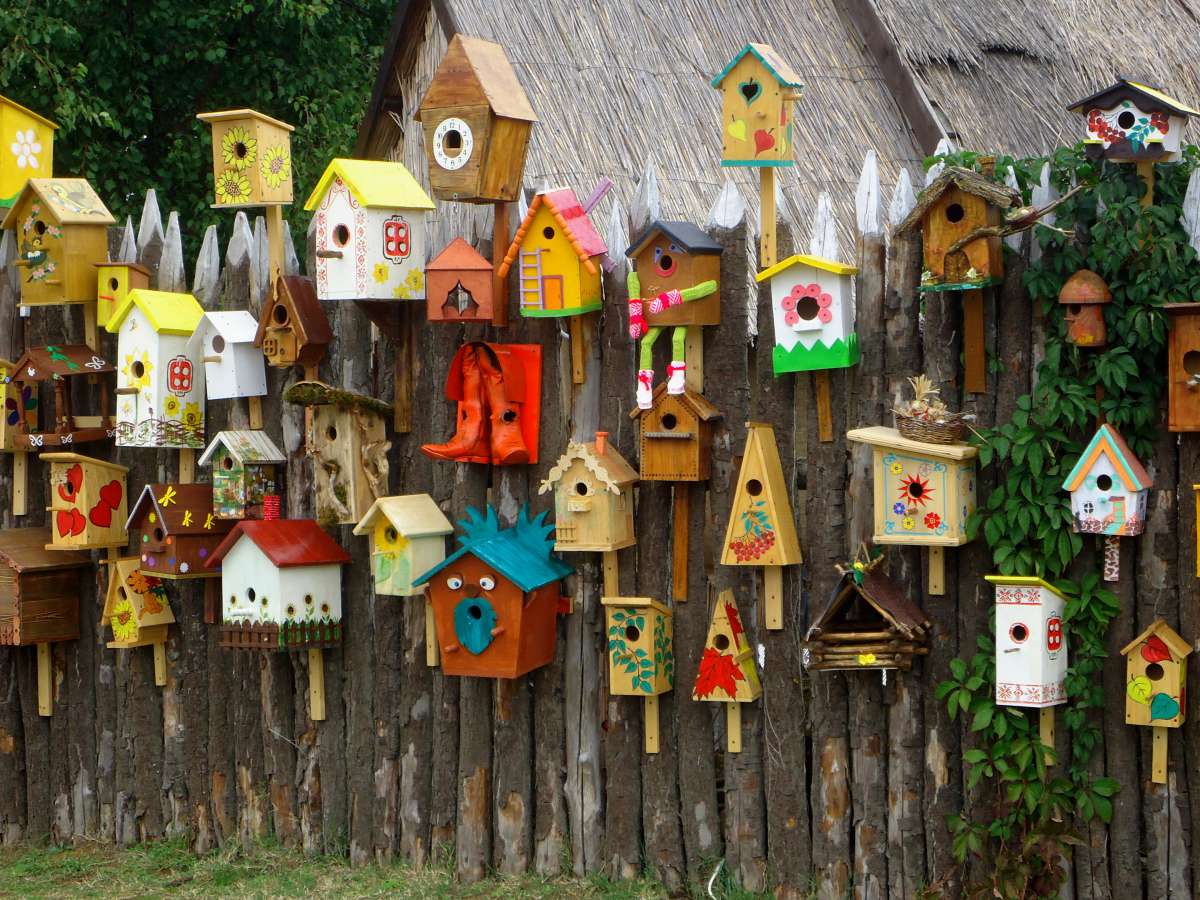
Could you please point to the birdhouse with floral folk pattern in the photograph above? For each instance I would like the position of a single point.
(408, 538)
(757, 89)
(30, 141)
(1130, 121)
(1031, 644)
(1156, 687)
(252, 158)
(136, 606)
(175, 530)
(88, 503)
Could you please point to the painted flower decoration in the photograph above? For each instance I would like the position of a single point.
(191, 415)
(25, 148)
(238, 148)
(172, 407)
(824, 316)
(232, 187)
(908, 523)
(791, 317)
(137, 370)
(915, 490)
(276, 166)
(898, 508)
(124, 624)
(380, 273)
(932, 520)
(897, 468)
(788, 303)
(138, 582)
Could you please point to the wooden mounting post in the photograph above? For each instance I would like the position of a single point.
(212, 601)
(824, 406)
(974, 354)
(20, 488)
(767, 249)
(1158, 757)
(316, 685)
(431, 645)
(274, 243)
(612, 575)
(1046, 730)
(651, 724)
(1145, 170)
(773, 589)
(499, 249)
(187, 465)
(254, 410)
(578, 349)
(679, 543)
(733, 727)
(402, 376)
(45, 668)
(160, 663)
(693, 350)
(937, 571)
(310, 374)
(1112, 558)
(91, 326)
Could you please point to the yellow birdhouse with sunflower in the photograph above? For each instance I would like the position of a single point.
(252, 158)
(757, 89)
(136, 607)
(408, 538)
(30, 141)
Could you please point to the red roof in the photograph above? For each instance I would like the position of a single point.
(286, 542)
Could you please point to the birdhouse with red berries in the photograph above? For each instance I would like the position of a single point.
(88, 503)
(1031, 647)
(758, 88)
(252, 158)
(1131, 121)
(1155, 684)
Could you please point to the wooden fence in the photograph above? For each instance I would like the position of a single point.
(845, 780)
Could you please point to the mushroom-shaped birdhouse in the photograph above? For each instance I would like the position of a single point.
(175, 530)
(252, 158)
(1083, 297)
(88, 504)
(1155, 684)
(244, 474)
(1131, 121)
(813, 314)
(757, 89)
(726, 672)
(641, 655)
(31, 151)
(138, 611)
(459, 285)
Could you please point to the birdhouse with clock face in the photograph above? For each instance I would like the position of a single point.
(476, 121)
(252, 158)
(1031, 647)
(757, 89)
(458, 285)
(1130, 121)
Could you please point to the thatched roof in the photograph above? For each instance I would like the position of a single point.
(965, 180)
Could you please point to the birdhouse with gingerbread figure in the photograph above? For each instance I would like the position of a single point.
(1183, 366)
(293, 329)
(1031, 646)
(593, 497)
(1108, 487)
(812, 309)
(476, 122)
(1155, 687)
(1131, 121)
(252, 158)
(459, 285)
(175, 530)
(114, 281)
(30, 149)
(408, 538)
(245, 473)
(88, 503)
(675, 436)
(497, 597)
(757, 89)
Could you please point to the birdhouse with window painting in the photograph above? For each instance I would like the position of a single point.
(61, 229)
(641, 655)
(245, 473)
(39, 589)
(1108, 487)
(1031, 644)
(593, 497)
(88, 504)
(293, 329)
(458, 285)
(1083, 297)
(136, 606)
(114, 281)
(252, 158)
(408, 538)
(497, 597)
(1130, 121)
(675, 436)
(64, 426)
(476, 122)
(233, 367)
(30, 140)
(1183, 366)
(175, 530)
(678, 256)
(757, 89)
(812, 310)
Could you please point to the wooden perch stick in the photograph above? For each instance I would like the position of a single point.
(20, 486)
(824, 406)
(974, 351)
(1046, 730)
(1158, 758)
(45, 681)
(612, 575)
(431, 645)
(767, 248)
(160, 663)
(187, 465)
(254, 411)
(578, 349)
(773, 589)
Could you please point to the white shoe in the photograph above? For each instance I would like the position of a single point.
(645, 388)
(676, 373)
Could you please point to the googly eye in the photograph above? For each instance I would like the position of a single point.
(675, 248)
(454, 582)
(658, 251)
(487, 582)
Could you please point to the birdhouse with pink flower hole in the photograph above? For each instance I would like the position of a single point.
(812, 309)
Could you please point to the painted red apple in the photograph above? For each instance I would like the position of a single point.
(763, 141)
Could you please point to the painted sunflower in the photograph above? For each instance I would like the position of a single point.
(276, 166)
(232, 187)
(191, 415)
(172, 407)
(124, 624)
(137, 370)
(238, 148)
(380, 273)
(897, 468)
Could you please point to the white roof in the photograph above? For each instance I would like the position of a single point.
(245, 447)
(236, 326)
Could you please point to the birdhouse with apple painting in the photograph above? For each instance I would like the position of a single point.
(459, 285)
(64, 425)
(175, 530)
(114, 281)
(1084, 296)
(757, 89)
(1183, 366)
(408, 538)
(1130, 121)
(293, 329)
(593, 497)
(88, 503)
(136, 606)
(1108, 487)
(1156, 687)
(675, 436)
(244, 472)
(30, 140)
(252, 158)
(813, 313)
(233, 367)
(1031, 644)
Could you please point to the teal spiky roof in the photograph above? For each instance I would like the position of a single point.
(522, 553)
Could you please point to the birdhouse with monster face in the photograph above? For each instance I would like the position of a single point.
(30, 140)
(495, 599)
(593, 497)
(757, 89)
(459, 285)
(1084, 296)
(675, 256)
(88, 503)
(408, 538)
(293, 329)
(1108, 487)
(1031, 645)
(1130, 121)
(114, 281)
(252, 158)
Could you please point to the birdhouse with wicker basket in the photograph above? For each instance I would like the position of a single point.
(1155, 687)
(252, 158)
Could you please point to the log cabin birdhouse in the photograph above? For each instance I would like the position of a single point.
(812, 310)
(641, 655)
(476, 122)
(114, 281)
(557, 252)
(675, 436)
(593, 497)
(348, 442)
(1132, 121)
(1031, 644)
(39, 589)
(233, 367)
(30, 140)
(60, 365)
(61, 229)
(252, 158)
(496, 598)
(1155, 687)
(175, 530)
(757, 89)
(293, 329)
(677, 256)
(160, 387)
(136, 607)
(88, 503)
(1083, 297)
(458, 285)
(243, 472)
(1183, 366)
(408, 538)
(1108, 487)
(726, 672)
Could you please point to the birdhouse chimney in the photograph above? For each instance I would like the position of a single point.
(987, 165)
(601, 442)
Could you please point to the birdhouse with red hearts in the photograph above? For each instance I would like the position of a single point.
(757, 89)
(1031, 648)
(88, 504)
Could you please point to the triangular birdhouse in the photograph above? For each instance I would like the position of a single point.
(762, 528)
(727, 671)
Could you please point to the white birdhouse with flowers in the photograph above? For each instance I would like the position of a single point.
(1031, 648)
(813, 313)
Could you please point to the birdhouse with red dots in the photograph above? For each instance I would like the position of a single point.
(175, 530)
(1130, 121)
(757, 89)
(1031, 647)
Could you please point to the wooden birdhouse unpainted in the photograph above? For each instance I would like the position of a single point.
(476, 122)
(726, 672)
(59, 366)
(1156, 677)
(675, 256)
(675, 436)
(293, 329)
(175, 530)
(762, 527)
(223, 343)
(88, 503)
(252, 158)
(1031, 642)
(39, 589)
(243, 472)
(32, 148)
(757, 89)
(61, 228)
(593, 497)
(812, 309)
(1183, 366)
(114, 280)
(1085, 295)
(459, 285)
(136, 606)
(1130, 121)
(641, 656)
(1109, 487)
(408, 538)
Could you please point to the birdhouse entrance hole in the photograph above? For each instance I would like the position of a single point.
(1154, 672)
(452, 143)
(390, 534)
(475, 611)
(581, 488)
(1191, 362)
(1104, 482)
(341, 235)
(460, 302)
(250, 594)
(669, 421)
(113, 284)
(548, 233)
(721, 642)
(218, 344)
(331, 433)
(955, 212)
(280, 314)
(227, 463)
(753, 487)
(158, 535)
(1019, 633)
(240, 150)
(632, 632)
(139, 369)
(750, 90)
(1126, 119)
(807, 308)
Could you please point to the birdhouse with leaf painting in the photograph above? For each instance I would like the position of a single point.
(726, 672)
(245, 473)
(408, 538)
(88, 503)
(476, 122)
(1031, 643)
(459, 285)
(114, 281)
(136, 606)
(757, 89)
(1131, 121)
(1156, 677)
(175, 530)
(233, 367)
(39, 589)
(1108, 487)
(497, 597)
(593, 497)
(641, 656)
(252, 158)
(675, 436)
(293, 329)
(812, 310)
(1183, 366)
(30, 140)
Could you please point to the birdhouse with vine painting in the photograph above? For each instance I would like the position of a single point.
(252, 158)
(1031, 645)
(1130, 121)
(641, 656)
(593, 497)
(30, 140)
(757, 89)
(1108, 487)
(88, 503)
(459, 285)
(408, 538)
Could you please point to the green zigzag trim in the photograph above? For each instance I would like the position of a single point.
(840, 355)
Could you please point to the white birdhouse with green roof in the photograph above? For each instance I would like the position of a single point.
(252, 158)
(812, 309)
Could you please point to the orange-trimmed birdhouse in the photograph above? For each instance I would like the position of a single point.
(293, 329)
(676, 436)
(1084, 296)
(88, 503)
(252, 158)
(593, 497)
(458, 285)
(757, 89)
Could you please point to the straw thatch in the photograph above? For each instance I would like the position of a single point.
(994, 194)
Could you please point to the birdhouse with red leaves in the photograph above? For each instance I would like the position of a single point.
(88, 503)
(758, 88)
(1031, 646)
(1084, 296)
(727, 672)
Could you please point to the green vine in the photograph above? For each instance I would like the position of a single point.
(1144, 256)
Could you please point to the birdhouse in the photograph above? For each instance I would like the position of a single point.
(136, 606)
(160, 387)
(593, 497)
(233, 366)
(1031, 645)
(293, 328)
(87, 502)
(30, 152)
(675, 436)
(348, 441)
(175, 530)
(641, 656)
(1183, 366)
(114, 281)
(60, 365)
(954, 205)
(1131, 121)
(726, 672)
(675, 256)
(868, 623)
(369, 228)
(458, 285)
(1108, 487)
(495, 599)
(39, 589)
(1084, 295)
(252, 158)
(1155, 677)
(281, 586)
(757, 92)
(243, 472)
(476, 121)
(813, 313)
(20, 404)
(61, 229)
(408, 538)
(557, 252)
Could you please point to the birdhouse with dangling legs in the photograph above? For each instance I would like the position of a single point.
(1084, 296)
(1155, 684)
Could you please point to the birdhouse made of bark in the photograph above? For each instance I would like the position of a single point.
(1108, 487)
(252, 158)
(88, 503)
(1156, 677)
(408, 538)
(593, 497)
(1031, 643)
(293, 329)
(1132, 121)
(458, 285)
(675, 436)
(136, 606)
(1084, 296)
(641, 655)
(39, 589)
(757, 89)
(1183, 366)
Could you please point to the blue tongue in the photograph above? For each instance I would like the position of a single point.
(474, 620)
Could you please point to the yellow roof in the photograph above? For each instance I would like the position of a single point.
(168, 313)
(70, 200)
(374, 183)
(1025, 581)
(1161, 97)
(29, 112)
(800, 259)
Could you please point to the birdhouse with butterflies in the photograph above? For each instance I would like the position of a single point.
(252, 158)
(88, 504)
(31, 151)
(114, 281)
(1155, 685)
(675, 436)
(758, 88)
(408, 538)
(293, 329)
(1131, 121)
(1031, 646)
(245, 474)
(593, 497)
(175, 530)
(138, 611)
(726, 672)
(59, 365)
(459, 285)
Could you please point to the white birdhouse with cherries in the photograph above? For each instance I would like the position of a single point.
(1130, 121)
(1031, 646)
